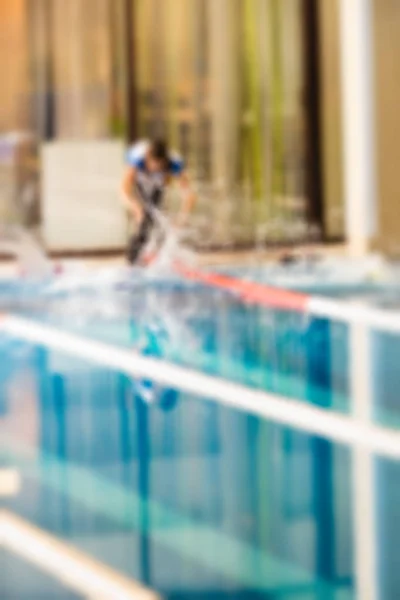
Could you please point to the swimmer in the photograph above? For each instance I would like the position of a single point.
(151, 167)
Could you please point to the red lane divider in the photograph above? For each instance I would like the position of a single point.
(248, 291)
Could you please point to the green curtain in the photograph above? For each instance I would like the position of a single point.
(251, 144)
(277, 98)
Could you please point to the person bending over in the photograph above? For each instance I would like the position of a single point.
(151, 167)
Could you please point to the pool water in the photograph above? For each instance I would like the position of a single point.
(195, 500)
(281, 352)
(211, 331)
(21, 581)
(192, 498)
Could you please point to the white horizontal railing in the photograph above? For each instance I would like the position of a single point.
(340, 428)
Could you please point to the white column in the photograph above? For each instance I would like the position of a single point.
(358, 123)
(364, 489)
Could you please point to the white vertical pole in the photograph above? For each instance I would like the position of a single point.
(358, 123)
(364, 492)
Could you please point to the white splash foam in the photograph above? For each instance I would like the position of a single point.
(31, 259)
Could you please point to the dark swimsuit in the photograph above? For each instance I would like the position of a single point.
(150, 188)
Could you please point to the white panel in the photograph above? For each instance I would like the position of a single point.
(358, 123)
(364, 484)
(81, 205)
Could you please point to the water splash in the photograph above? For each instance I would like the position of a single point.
(30, 257)
(166, 246)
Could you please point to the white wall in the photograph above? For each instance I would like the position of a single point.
(80, 196)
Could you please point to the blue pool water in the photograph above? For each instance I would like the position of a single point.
(209, 330)
(192, 498)
(285, 353)
(197, 500)
(21, 581)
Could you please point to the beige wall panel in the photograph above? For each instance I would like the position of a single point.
(387, 85)
(331, 118)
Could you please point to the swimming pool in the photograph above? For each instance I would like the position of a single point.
(236, 495)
